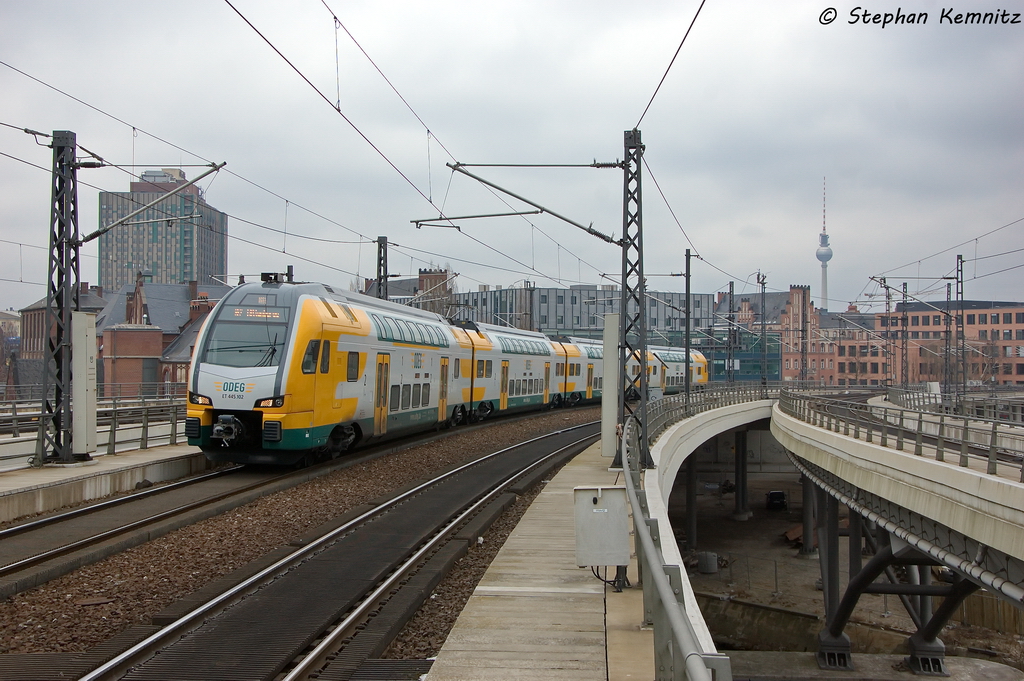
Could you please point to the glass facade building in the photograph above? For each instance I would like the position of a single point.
(178, 240)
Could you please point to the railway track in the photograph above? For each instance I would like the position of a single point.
(37, 551)
(908, 434)
(338, 599)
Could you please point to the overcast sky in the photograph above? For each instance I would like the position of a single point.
(917, 128)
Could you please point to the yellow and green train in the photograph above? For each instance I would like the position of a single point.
(289, 372)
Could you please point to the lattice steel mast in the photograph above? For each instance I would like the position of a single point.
(382, 267)
(62, 298)
(633, 319)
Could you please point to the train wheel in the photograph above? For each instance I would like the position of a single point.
(457, 417)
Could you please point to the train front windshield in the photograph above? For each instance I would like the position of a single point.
(248, 336)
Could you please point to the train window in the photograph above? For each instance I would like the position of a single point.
(309, 359)
(558, 370)
(519, 387)
(416, 389)
(425, 395)
(386, 332)
(325, 357)
(353, 366)
(396, 329)
(406, 395)
(259, 299)
(458, 363)
(490, 365)
(479, 368)
(396, 391)
(348, 312)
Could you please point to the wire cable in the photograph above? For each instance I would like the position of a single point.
(946, 250)
(669, 65)
(669, 206)
(324, 97)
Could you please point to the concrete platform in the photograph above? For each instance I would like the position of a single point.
(30, 491)
(537, 616)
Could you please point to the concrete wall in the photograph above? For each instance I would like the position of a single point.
(754, 626)
(669, 454)
(981, 506)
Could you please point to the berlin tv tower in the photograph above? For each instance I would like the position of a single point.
(824, 253)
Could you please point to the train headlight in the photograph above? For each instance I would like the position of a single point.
(270, 402)
(196, 398)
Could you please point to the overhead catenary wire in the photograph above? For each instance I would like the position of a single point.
(431, 135)
(229, 236)
(669, 206)
(367, 240)
(136, 130)
(669, 68)
(950, 248)
(352, 124)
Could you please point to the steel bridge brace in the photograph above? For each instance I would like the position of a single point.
(927, 652)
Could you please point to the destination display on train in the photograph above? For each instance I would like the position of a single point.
(269, 314)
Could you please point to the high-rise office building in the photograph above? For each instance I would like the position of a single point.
(178, 240)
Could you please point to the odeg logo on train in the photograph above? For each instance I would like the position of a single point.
(233, 390)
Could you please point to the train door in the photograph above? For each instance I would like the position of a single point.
(380, 397)
(590, 381)
(442, 398)
(547, 382)
(503, 400)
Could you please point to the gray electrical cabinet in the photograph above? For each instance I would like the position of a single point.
(602, 526)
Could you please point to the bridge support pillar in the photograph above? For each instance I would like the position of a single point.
(834, 649)
(742, 511)
(807, 549)
(691, 502)
(927, 652)
(834, 652)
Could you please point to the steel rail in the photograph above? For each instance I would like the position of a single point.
(138, 653)
(315, 659)
(92, 508)
(163, 515)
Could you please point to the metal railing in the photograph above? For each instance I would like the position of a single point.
(32, 393)
(926, 433)
(1002, 402)
(678, 653)
(135, 423)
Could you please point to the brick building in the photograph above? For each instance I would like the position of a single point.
(993, 339)
(146, 333)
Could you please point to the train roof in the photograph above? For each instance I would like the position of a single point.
(353, 298)
(501, 330)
